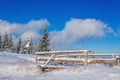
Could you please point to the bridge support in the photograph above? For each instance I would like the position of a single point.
(86, 59)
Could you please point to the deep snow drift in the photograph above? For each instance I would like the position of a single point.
(22, 67)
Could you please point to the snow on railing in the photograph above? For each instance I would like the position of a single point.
(84, 56)
(65, 51)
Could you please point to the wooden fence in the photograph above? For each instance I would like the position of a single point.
(79, 57)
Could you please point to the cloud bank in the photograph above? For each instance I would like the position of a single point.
(30, 29)
(76, 30)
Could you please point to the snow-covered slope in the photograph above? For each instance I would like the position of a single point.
(22, 67)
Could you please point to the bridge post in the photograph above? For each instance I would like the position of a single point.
(93, 55)
(86, 59)
(80, 57)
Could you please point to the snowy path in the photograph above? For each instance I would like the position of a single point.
(22, 67)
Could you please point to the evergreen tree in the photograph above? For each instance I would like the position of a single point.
(11, 44)
(30, 47)
(22, 48)
(36, 47)
(6, 42)
(44, 42)
(19, 46)
(26, 46)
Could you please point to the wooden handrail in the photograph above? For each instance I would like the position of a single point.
(75, 55)
(66, 51)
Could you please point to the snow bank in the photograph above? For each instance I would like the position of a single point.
(23, 67)
(13, 66)
(91, 72)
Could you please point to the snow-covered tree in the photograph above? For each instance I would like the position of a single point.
(44, 41)
(6, 42)
(19, 46)
(11, 44)
(31, 46)
(26, 46)
(35, 47)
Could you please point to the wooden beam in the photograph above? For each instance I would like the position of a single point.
(49, 60)
(61, 52)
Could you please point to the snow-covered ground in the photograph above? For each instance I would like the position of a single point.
(22, 67)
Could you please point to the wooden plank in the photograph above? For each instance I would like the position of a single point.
(102, 54)
(61, 52)
(63, 60)
(49, 59)
(88, 55)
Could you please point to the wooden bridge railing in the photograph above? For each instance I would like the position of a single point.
(83, 56)
(60, 54)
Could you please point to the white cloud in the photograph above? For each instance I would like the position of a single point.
(78, 29)
(30, 34)
(30, 29)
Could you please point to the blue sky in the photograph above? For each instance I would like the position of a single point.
(57, 15)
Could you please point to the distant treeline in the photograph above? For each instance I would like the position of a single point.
(7, 44)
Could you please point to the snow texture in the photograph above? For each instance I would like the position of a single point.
(22, 67)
